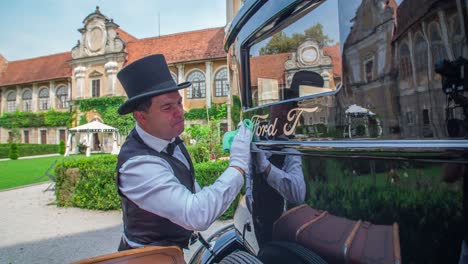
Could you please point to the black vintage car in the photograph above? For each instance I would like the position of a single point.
(360, 110)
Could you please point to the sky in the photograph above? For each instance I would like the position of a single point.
(31, 28)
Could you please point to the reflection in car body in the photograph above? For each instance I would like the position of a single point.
(371, 96)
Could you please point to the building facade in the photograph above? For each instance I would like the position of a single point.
(89, 70)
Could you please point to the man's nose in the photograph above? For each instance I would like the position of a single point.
(180, 110)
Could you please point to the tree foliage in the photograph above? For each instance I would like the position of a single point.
(281, 43)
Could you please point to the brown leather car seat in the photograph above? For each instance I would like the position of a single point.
(146, 255)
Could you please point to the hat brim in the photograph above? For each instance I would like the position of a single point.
(129, 105)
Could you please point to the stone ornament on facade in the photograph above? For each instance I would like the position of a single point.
(308, 56)
(99, 36)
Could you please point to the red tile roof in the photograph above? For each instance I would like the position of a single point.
(180, 47)
(37, 69)
(334, 53)
(125, 36)
(269, 66)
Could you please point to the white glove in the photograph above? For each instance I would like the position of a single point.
(240, 149)
(261, 159)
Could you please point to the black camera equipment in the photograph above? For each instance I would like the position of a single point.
(454, 84)
(453, 75)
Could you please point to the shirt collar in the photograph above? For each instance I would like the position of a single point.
(153, 142)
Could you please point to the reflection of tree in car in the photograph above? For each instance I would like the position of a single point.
(281, 42)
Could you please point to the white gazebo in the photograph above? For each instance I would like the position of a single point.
(90, 128)
(358, 115)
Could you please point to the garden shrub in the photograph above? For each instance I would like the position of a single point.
(94, 187)
(13, 151)
(61, 148)
(91, 182)
(199, 153)
(29, 149)
(430, 220)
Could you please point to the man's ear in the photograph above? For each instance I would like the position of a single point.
(139, 116)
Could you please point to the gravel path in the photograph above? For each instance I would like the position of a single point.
(34, 230)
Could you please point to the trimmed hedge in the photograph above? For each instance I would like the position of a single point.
(29, 149)
(91, 182)
(13, 151)
(430, 220)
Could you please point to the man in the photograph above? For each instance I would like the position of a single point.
(161, 201)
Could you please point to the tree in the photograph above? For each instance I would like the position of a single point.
(13, 151)
(281, 43)
(61, 147)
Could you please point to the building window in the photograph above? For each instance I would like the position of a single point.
(43, 137)
(456, 38)
(405, 62)
(368, 69)
(197, 90)
(62, 135)
(437, 45)
(221, 83)
(44, 99)
(62, 97)
(26, 136)
(96, 88)
(426, 119)
(174, 77)
(409, 118)
(11, 101)
(27, 100)
(420, 59)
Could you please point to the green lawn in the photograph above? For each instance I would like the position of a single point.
(14, 173)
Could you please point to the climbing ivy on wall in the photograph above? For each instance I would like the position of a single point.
(107, 108)
(50, 118)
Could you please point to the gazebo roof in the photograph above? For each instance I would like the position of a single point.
(358, 110)
(94, 126)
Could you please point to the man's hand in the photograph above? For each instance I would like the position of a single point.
(240, 150)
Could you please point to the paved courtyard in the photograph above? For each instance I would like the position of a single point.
(34, 230)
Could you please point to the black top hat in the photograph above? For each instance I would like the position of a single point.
(146, 77)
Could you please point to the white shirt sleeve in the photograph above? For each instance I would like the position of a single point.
(289, 181)
(150, 183)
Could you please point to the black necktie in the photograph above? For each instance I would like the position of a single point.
(171, 146)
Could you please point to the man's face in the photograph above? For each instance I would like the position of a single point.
(165, 117)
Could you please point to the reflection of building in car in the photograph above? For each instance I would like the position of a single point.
(367, 62)
(391, 72)
(270, 73)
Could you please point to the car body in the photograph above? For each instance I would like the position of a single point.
(370, 97)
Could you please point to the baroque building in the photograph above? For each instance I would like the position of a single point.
(89, 71)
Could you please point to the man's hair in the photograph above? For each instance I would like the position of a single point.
(144, 106)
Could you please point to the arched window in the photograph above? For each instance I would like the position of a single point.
(11, 101)
(437, 45)
(456, 38)
(27, 99)
(198, 88)
(174, 77)
(221, 83)
(405, 62)
(62, 97)
(420, 58)
(44, 99)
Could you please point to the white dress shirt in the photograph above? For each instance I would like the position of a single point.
(288, 181)
(150, 183)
